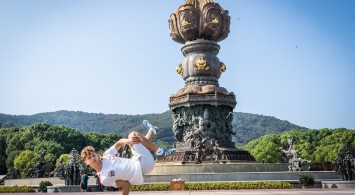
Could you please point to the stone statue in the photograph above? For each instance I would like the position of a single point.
(345, 164)
(125, 152)
(199, 149)
(229, 126)
(295, 162)
(38, 170)
(72, 170)
(178, 129)
(213, 151)
(204, 126)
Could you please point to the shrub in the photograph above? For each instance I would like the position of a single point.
(110, 189)
(306, 179)
(238, 185)
(16, 189)
(43, 186)
(216, 186)
(151, 187)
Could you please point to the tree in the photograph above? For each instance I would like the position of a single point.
(25, 160)
(265, 148)
(52, 148)
(14, 142)
(108, 140)
(66, 137)
(10, 161)
(2, 154)
(63, 159)
(316, 145)
(3, 167)
(94, 139)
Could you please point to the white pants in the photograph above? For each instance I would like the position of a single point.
(145, 157)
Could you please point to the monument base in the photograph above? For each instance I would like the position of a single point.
(224, 155)
(228, 167)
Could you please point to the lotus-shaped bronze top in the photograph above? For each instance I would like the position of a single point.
(199, 19)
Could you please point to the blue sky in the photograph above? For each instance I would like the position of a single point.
(291, 59)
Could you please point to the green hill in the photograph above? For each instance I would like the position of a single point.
(251, 126)
(247, 126)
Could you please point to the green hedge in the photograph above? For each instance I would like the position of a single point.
(217, 186)
(238, 185)
(151, 187)
(13, 189)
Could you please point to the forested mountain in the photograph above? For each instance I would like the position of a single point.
(251, 126)
(247, 126)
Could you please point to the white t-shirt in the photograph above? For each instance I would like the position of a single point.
(116, 168)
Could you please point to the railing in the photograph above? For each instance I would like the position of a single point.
(202, 97)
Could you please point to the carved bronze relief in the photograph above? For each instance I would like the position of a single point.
(199, 20)
(201, 64)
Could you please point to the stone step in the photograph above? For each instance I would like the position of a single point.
(241, 176)
(178, 168)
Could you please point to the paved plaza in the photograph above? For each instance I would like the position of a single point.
(248, 192)
(222, 192)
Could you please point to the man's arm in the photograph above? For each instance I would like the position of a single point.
(124, 141)
(146, 142)
(120, 143)
(135, 138)
(124, 185)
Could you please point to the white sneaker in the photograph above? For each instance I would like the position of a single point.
(160, 152)
(149, 126)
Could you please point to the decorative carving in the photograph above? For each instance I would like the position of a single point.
(187, 27)
(204, 89)
(201, 55)
(178, 124)
(200, 46)
(179, 69)
(223, 67)
(201, 64)
(184, 22)
(212, 28)
(191, 124)
(201, 81)
(212, 99)
(228, 122)
(199, 19)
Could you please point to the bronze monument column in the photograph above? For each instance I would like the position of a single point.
(202, 110)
